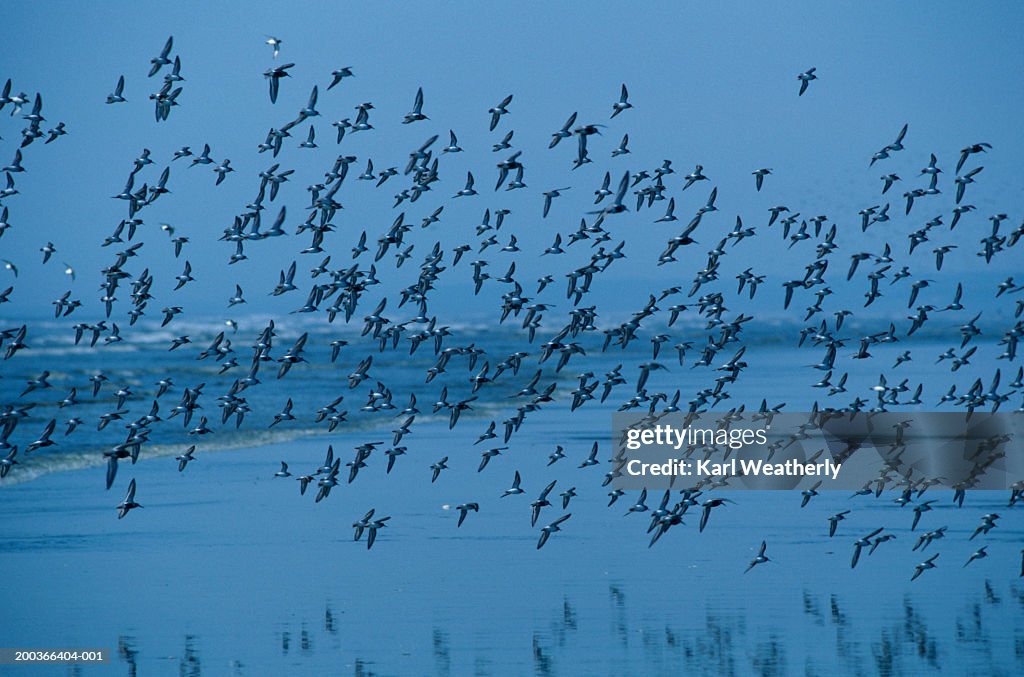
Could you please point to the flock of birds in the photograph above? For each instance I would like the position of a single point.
(336, 292)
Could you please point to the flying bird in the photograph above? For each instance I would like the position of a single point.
(623, 102)
(118, 95)
(761, 558)
(128, 504)
(805, 79)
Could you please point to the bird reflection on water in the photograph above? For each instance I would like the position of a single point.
(826, 633)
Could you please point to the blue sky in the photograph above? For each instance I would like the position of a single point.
(712, 83)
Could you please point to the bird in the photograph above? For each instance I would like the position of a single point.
(515, 489)
(924, 566)
(222, 170)
(464, 510)
(437, 468)
(238, 298)
(310, 141)
(548, 197)
(545, 532)
(373, 527)
(498, 111)
(56, 133)
(834, 520)
(563, 132)
(864, 542)
(284, 415)
(967, 151)
(417, 109)
(707, 506)
(879, 540)
(118, 95)
(963, 181)
(622, 148)
(274, 76)
(161, 60)
(453, 144)
(275, 44)
(988, 522)
(919, 510)
(980, 553)
(761, 558)
(623, 102)
(567, 496)
(759, 175)
(339, 75)
(805, 79)
(184, 458)
(468, 189)
(8, 462)
(540, 503)
(696, 175)
(591, 458)
(808, 494)
(203, 158)
(128, 504)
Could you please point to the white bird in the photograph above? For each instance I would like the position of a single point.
(275, 44)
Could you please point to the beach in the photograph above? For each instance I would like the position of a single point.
(227, 570)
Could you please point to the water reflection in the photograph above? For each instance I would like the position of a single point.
(329, 626)
(542, 660)
(189, 666)
(825, 633)
(361, 670)
(442, 657)
(127, 652)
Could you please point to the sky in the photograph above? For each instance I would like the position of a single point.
(712, 83)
